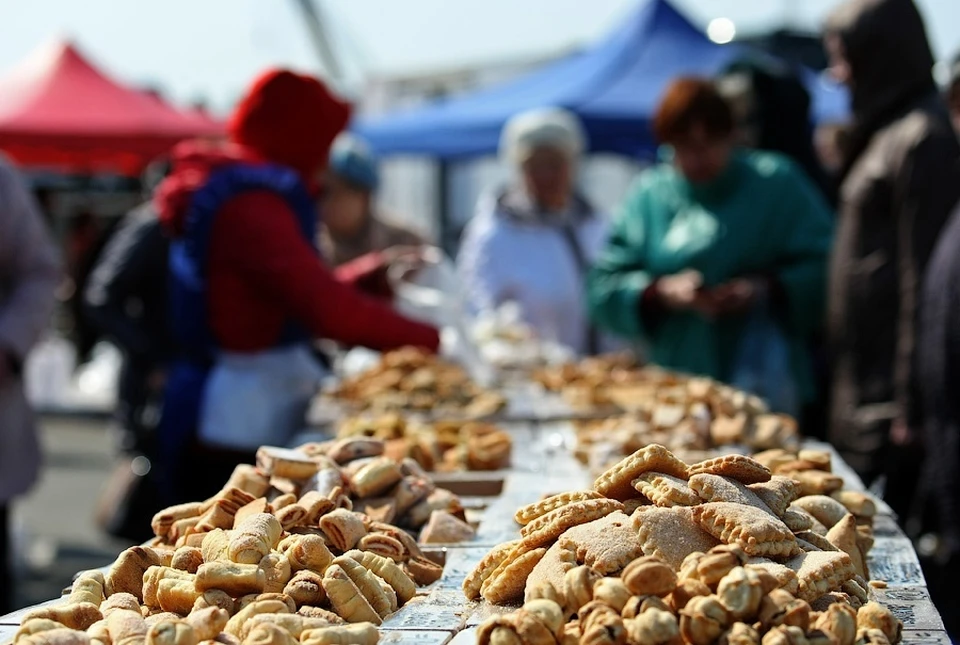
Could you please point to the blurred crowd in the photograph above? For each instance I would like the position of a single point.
(827, 283)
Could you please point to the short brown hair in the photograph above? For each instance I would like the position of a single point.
(690, 102)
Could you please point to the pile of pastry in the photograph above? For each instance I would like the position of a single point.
(685, 414)
(443, 446)
(414, 380)
(727, 521)
(318, 487)
(586, 380)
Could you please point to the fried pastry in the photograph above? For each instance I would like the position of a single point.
(757, 532)
(236, 579)
(665, 490)
(547, 528)
(527, 514)
(346, 598)
(670, 534)
(743, 469)
(286, 463)
(254, 538)
(507, 582)
(343, 528)
(607, 544)
(444, 528)
(359, 634)
(616, 483)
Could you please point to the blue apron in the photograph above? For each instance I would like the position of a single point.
(190, 322)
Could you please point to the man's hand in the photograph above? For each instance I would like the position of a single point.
(680, 291)
(735, 297)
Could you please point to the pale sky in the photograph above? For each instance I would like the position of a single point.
(211, 48)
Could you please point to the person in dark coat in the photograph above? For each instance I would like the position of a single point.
(953, 93)
(125, 300)
(939, 378)
(899, 182)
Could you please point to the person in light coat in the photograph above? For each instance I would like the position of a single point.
(29, 273)
(532, 242)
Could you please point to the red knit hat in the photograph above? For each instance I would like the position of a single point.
(290, 119)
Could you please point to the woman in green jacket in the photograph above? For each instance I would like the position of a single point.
(708, 238)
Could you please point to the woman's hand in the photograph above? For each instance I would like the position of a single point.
(681, 291)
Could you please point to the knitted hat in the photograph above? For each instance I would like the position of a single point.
(289, 119)
(350, 159)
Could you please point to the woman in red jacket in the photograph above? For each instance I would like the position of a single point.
(249, 291)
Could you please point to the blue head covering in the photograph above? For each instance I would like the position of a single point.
(351, 160)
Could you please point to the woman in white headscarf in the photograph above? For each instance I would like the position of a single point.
(532, 242)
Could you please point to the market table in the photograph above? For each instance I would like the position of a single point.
(542, 465)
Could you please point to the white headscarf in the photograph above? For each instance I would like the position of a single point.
(542, 128)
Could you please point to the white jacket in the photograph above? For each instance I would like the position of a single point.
(510, 253)
(29, 273)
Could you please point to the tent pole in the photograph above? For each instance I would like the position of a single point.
(444, 230)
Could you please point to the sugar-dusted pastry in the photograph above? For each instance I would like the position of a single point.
(232, 497)
(843, 535)
(743, 469)
(164, 520)
(158, 616)
(215, 598)
(786, 577)
(75, 616)
(821, 459)
(276, 571)
(607, 544)
(151, 582)
(177, 595)
(439, 500)
(376, 477)
(293, 624)
(359, 634)
(552, 568)
(547, 528)
(388, 571)
(216, 545)
(409, 492)
(820, 572)
(507, 582)
(250, 480)
(170, 632)
(811, 541)
(351, 449)
(236, 579)
(778, 493)
(383, 545)
(293, 515)
(422, 570)
(259, 505)
(665, 490)
(649, 576)
(875, 616)
(306, 588)
(268, 634)
(36, 626)
(670, 534)
(654, 626)
(826, 510)
(703, 620)
(815, 482)
(530, 512)
(62, 636)
(839, 621)
(307, 552)
(236, 622)
(343, 528)
(254, 538)
(578, 585)
(717, 488)
(740, 592)
(88, 587)
(127, 572)
(220, 515)
(346, 598)
(208, 623)
(757, 532)
(860, 504)
(127, 627)
(616, 482)
(187, 559)
(444, 528)
(382, 597)
(487, 565)
(285, 463)
(119, 602)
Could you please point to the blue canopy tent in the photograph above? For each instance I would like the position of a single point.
(613, 86)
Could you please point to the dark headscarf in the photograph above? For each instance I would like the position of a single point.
(781, 113)
(890, 61)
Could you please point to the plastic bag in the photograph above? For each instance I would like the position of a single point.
(431, 292)
(762, 365)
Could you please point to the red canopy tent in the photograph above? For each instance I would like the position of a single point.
(58, 111)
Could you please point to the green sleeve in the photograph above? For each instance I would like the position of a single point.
(807, 219)
(619, 277)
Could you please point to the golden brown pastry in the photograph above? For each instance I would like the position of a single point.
(75, 616)
(254, 538)
(235, 579)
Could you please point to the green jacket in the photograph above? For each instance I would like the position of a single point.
(761, 217)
